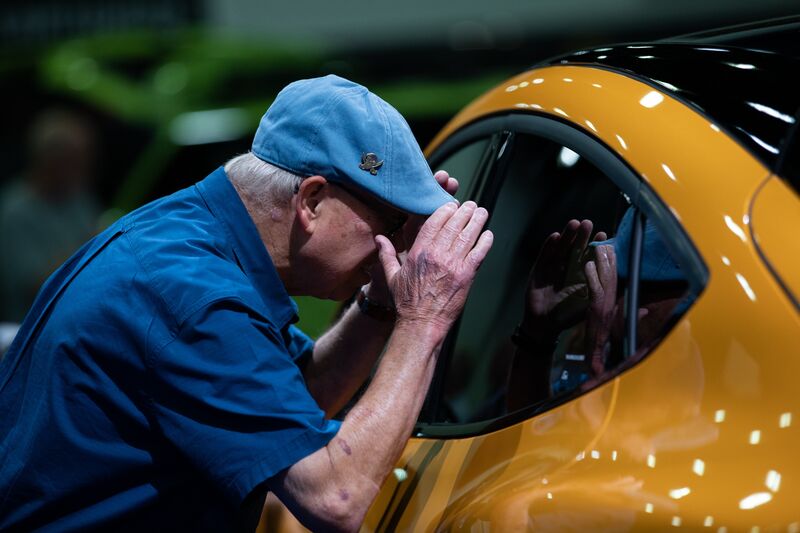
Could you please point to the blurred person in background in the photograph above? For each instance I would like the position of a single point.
(159, 381)
(48, 211)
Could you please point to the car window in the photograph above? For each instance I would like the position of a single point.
(545, 319)
(466, 164)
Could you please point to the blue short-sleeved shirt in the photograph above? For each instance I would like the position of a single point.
(156, 381)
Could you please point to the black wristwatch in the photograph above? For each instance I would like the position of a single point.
(373, 309)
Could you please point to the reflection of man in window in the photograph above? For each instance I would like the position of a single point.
(574, 302)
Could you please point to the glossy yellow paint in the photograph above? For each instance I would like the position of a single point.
(775, 210)
(701, 434)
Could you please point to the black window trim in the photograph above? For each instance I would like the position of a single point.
(644, 200)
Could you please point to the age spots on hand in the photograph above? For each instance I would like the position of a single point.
(345, 447)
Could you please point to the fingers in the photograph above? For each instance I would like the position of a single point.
(430, 228)
(451, 230)
(447, 183)
(600, 236)
(388, 257)
(590, 269)
(481, 248)
(468, 236)
(582, 235)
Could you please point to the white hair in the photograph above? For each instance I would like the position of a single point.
(261, 181)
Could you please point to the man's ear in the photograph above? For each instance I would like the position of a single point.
(307, 201)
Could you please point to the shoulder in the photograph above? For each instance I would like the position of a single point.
(185, 254)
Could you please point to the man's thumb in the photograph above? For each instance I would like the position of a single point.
(388, 256)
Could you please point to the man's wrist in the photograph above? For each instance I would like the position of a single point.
(374, 308)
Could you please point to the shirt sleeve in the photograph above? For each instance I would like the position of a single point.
(228, 394)
(300, 345)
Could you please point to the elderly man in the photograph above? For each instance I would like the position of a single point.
(158, 379)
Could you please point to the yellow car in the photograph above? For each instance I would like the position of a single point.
(652, 382)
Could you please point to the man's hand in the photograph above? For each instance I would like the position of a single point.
(377, 290)
(548, 283)
(601, 275)
(430, 286)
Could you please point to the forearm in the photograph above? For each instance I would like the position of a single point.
(337, 484)
(343, 358)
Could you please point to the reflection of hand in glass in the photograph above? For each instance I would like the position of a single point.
(601, 276)
(552, 304)
(551, 282)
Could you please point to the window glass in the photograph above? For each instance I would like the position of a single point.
(466, 164)
(545, 317)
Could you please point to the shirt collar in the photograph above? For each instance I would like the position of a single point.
(225, 204)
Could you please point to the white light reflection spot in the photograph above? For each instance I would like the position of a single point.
(591, 126)
(699, 467)
(719, 416)
(742, 66)
(712, 49)
(639, 46)
(648, 507)
(668, 172)
(755, 500)
(794, 527)
(667, 85)
(567, 158)
(755, 437)
(614, 455)
(752, 295)
(762, 144)
(560, 111)
(651, 460)
(735, 228)
(512, 88)
(595, 454)
(537, 81)
(774, 113)
(646, 57)
(549, 495)
(536, 106)
(746, 220)
(726, 261)
(544, 481)
(709, 521)
(523, 84)
(651, 99)
(677, 494)
(568, 80)
(602, 49)
(715, 128)
(676, 521)
(581, 456)
(723, 529)
(622, 142)
(773, 481)
(597, 86)
(785, 420)
(602, 57)
(522, 106)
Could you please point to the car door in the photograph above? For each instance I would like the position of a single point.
(481, 458)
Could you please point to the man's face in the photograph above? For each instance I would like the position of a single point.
(346, 239)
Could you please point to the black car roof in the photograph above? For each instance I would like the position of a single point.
(742, 78)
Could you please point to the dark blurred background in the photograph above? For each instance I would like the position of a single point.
(140, 98)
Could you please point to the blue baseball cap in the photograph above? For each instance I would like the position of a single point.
(657, 263)
(337, 129)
